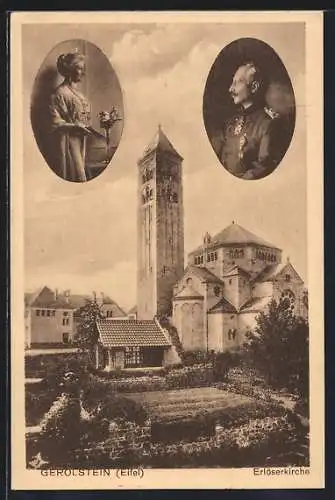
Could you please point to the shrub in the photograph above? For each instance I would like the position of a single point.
(55, 365)
(223, 362)
(301, 407)
(192, 376)
(108, 406)
(177, 378)
(78, 417)
(188, 425)
(191, 358)
(183, 430)
(125, 374)
(246, 389)
(269, 441)
(61, 430)
(38, 400)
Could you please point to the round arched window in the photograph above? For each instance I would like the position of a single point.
(189, 282)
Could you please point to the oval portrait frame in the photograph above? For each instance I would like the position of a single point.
(250, 128)
(77, 121)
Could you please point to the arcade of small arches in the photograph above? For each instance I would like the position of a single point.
(147, 194)
(211, 257)
(266, 256)
(236, 253)
(147, 175)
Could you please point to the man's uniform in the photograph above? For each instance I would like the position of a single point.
(245, 145)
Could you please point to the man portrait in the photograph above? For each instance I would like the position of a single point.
(251, 140)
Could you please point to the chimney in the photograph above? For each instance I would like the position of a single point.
(67, 296)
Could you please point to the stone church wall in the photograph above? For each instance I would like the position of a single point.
(188, 318)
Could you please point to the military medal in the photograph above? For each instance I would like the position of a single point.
(239, 125)
(242, 143)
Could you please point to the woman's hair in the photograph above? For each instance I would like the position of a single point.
(67, 62)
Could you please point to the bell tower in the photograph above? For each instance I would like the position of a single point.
(160, 227)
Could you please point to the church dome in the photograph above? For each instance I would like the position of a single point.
(236, 235)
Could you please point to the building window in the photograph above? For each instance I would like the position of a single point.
(66, 321)
(43, 312)
(65, 313)
(217, 291)
(133, 356)
(230, 281)
(109, 314)
(66, 338)
(287, 277)
(289, 295)
(48, 312)
(201, 259)
(215, 256)
(231, 334)
(53, 312)
(189, 281)
(37, 312)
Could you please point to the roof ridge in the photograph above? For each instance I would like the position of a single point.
(199, 269)
(223, 300)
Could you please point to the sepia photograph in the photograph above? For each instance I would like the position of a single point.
(249, 108)
(76, 110)
(167, 316)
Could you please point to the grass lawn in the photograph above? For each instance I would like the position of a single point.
(180, 404)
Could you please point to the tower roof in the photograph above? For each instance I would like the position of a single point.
(160, 143)
(234, 234)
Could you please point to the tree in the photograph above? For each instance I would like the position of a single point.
(87, 332)
(223, 362)
(278, 347)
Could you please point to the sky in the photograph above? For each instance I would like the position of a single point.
(82, 237)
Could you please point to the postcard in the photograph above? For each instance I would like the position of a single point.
(167, 250)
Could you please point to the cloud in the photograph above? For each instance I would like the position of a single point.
(84, 235)
(148, 53)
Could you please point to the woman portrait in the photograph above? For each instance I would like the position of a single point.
(69, 105)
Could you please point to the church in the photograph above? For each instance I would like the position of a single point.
(212, 302)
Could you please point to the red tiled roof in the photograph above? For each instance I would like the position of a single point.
(131, 333)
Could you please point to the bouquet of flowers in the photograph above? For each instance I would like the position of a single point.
(107, 120)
